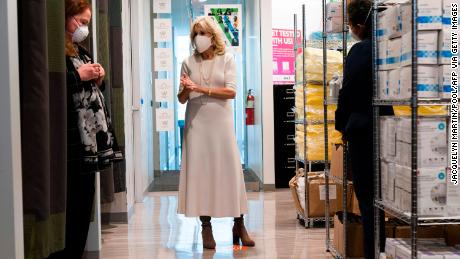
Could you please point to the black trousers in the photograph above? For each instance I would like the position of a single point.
(361, 156)
(80, 199)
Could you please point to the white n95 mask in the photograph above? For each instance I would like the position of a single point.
(202, 43)
(80, 34)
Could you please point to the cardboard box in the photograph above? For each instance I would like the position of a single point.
(453, 196)
(427, 44)
(384, 90)
(429, 15)
(384, 180)
(337, 160)
(334, 24)
(445, 86)
(334, 9)
(422, 232)
(316, 198)
(453, 235)
(393, 83)
(428, 81)
(354, 232)
(355, 205)
(445, 45)
(405, 83)
(394, 53)
(402, 199)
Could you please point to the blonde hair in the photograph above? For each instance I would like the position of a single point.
(208, 25)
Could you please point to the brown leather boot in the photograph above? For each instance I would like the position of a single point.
(206, 233)
(240, 232)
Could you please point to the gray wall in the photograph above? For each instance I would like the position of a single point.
(11, 225)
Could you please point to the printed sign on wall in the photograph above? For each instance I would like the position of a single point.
(162, 30)
(162, 6)
(164, 90)
(164, 119)
(163, 59)
(283, 55)
(228, 19)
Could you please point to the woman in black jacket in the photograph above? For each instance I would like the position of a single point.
(354, 115)
(91, 145)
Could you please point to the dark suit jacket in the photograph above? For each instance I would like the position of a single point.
(354, 111)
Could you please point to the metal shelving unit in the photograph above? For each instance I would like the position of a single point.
(307, 164)
(333, 101)
(412, 218)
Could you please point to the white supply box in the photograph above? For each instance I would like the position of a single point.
(389, 23)
(403, 178)
(383, 85)
(406, 18)
(432, 142)
(388, 142)
(405, 83)
(432, 191)
(406, 49)
(383, 54)
(453, 197)
(429, 14)
(393, 84)
(445, 86)
(384, 179)
(447, 12)
(402, 200)
(428, 81)
(445, 45)
(427, 44)
(394, 53)
(391, 190)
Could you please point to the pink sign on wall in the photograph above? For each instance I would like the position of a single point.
(283, 55)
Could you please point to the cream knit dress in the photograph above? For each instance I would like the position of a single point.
(211, 176)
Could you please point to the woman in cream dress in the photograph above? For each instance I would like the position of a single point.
(211, 177)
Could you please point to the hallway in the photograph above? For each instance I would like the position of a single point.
(156, 231)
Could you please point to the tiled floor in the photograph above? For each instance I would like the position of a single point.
(156, 231)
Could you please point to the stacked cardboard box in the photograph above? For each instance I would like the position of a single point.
(433, 50)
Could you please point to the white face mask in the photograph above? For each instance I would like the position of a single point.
(202, 43)
(80, 33)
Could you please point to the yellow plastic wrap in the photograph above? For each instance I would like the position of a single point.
(422, 111)
(314, 106)
(315, 140)
(314, 62)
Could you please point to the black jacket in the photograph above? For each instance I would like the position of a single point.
(354, 111)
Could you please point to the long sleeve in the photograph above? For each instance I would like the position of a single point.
(356, 93)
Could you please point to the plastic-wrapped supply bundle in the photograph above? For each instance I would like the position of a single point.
(315, 140)
(314, 65)
(314, 105)
(422, 111)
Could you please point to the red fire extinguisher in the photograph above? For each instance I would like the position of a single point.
(250, 108)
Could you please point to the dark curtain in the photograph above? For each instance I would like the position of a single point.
(109, 52)
(43, 124)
